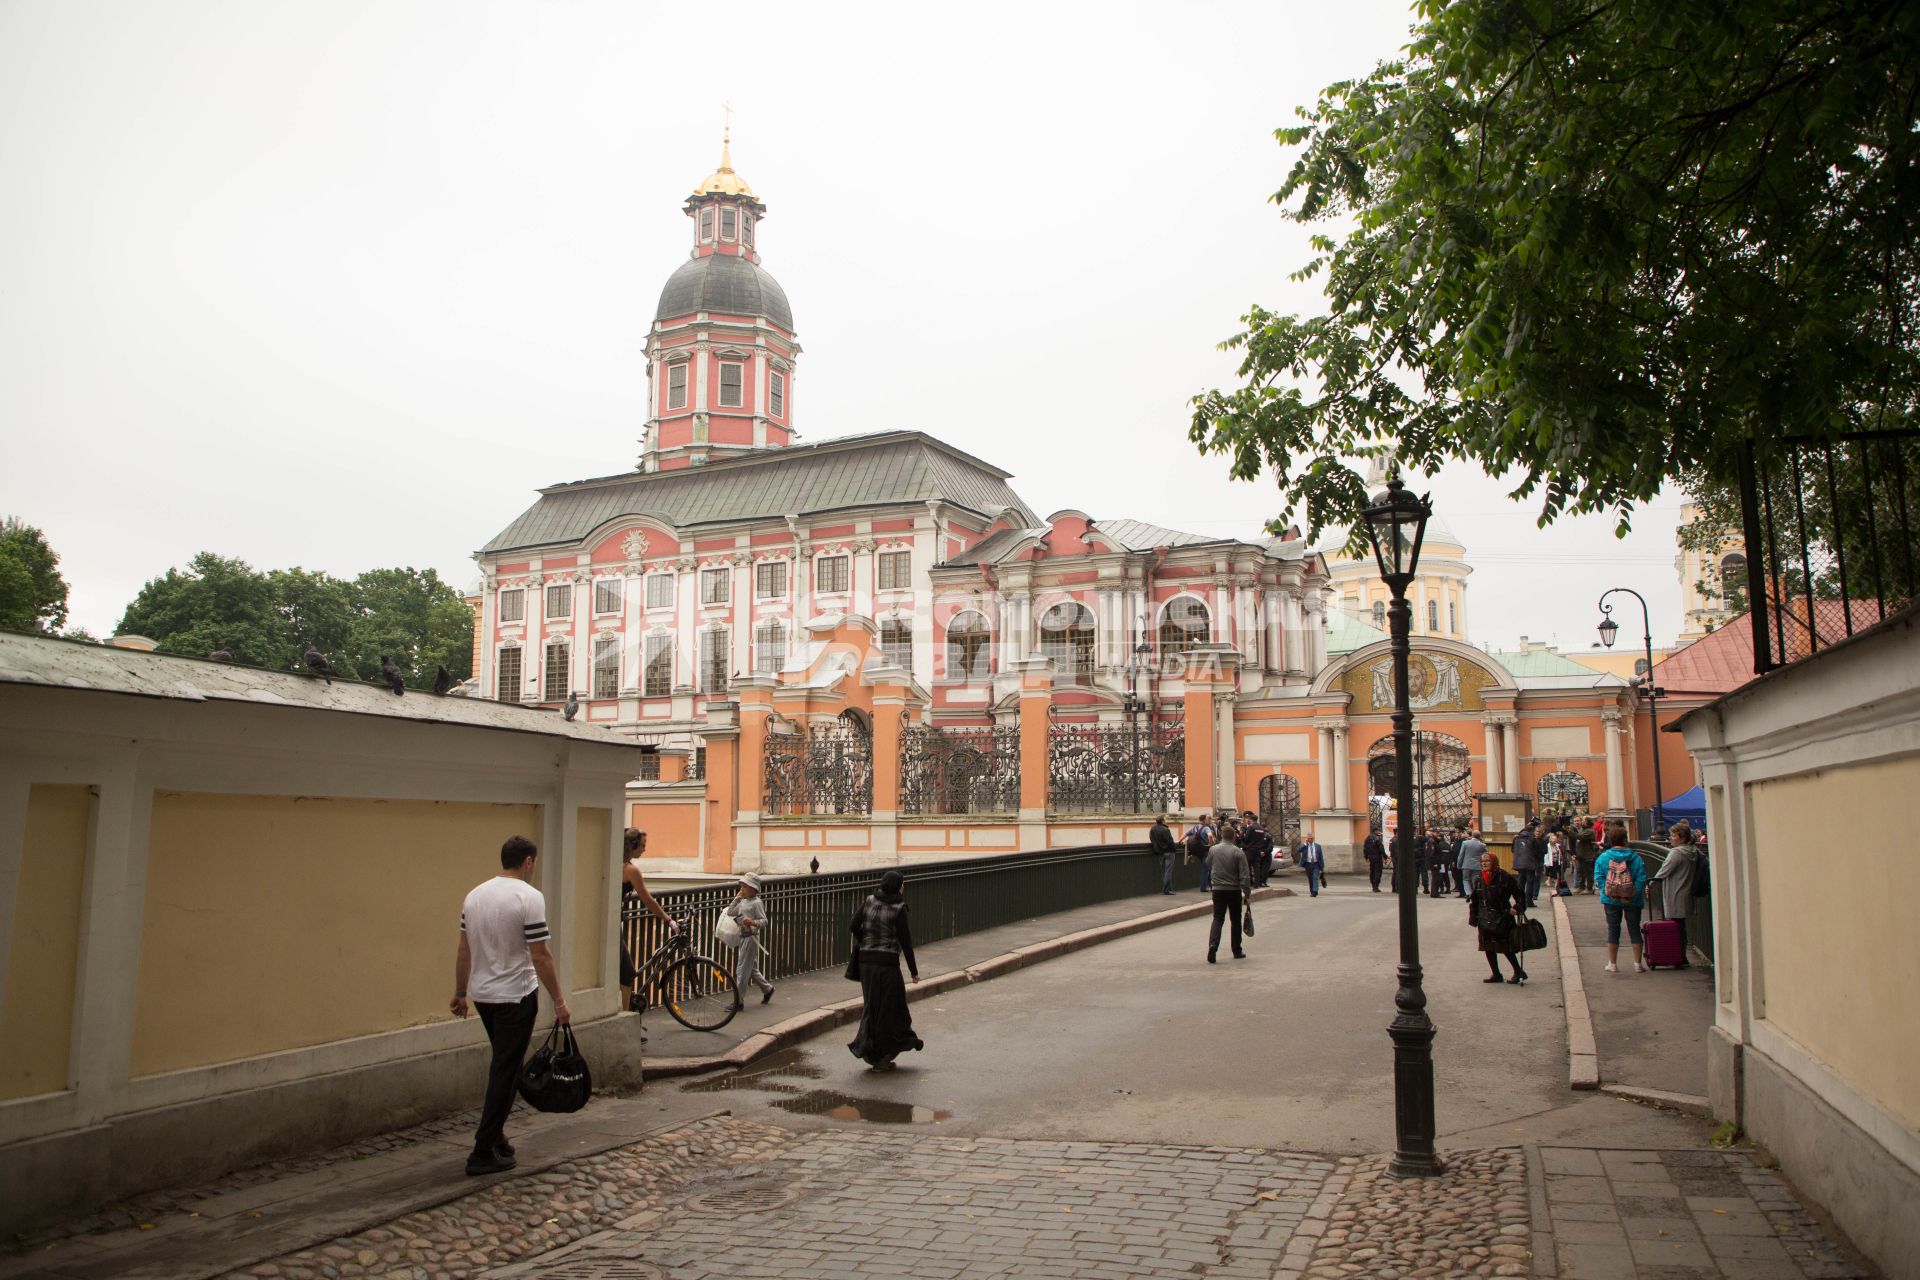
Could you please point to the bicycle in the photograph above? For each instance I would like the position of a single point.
(697, 990)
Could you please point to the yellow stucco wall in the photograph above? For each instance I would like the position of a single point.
(36, 1015)
(1837, 902)
(275, 922)
(592, 837)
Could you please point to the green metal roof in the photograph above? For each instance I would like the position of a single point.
(893, 468)
(1347, 632)
(1540, 662)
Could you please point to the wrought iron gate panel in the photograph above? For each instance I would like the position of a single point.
(825, 769)
(959, 770)
(1117, 768)
(1442, 778)
(1280, 809)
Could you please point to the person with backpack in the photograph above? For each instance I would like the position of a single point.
(1621, 875)
(1198, 841)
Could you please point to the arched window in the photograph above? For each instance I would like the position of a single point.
(1433, 615)
(1066, 636)
(1563, 792)
(1185, 625)
(1733, 580)
(969, 647)
(1380, 614)
(769, 648)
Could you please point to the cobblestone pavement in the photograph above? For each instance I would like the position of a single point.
(1473, 1221)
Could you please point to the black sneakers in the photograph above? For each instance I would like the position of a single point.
(494, 1161)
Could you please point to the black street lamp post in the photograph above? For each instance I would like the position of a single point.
(1609, 629)
(1396, 524)
(1133, 704)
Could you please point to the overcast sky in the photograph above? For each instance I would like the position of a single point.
(340, 284)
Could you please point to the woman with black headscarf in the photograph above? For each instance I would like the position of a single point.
(881, 940)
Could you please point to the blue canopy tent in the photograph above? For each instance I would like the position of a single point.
(1690, 805)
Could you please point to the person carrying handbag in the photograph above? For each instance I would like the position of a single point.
(1495, 907)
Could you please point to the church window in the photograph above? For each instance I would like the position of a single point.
(560, 601)
(777, 395)
(677, 385)
(606, 666)
(659, 591)
(1453, 619)
(715, 664)
(770, 580)
(1184, 626)
(730, 385)
(559, 662)
(969, 647)
(1066, 636)
(659, 665)
(508, 684)
(1733, 580)
(729, 224)
(770, 647)
(716, 586)
(1380, 614)
(1433, 615)
(606, 595)
(513, 605)
(706, 224)
(896, 570)
(830, 574)
(896, 642)
(746, 228)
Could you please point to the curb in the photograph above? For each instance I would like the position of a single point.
(1691, 1103)
(825, 1018)
(1583, 1051)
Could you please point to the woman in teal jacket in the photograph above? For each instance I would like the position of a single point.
(1618, 852)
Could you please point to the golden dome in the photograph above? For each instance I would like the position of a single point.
(724, 181)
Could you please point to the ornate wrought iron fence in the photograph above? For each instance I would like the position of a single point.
(959, 770)
(808, 916)
(1139, 767)
(1829, 529)
(824, 769)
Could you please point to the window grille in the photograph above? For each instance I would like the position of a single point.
(513, 605)
(715, 665)
(606, 667)
(1066, 636)
(706, 224)
(830, 573)
(729, 224)
(769, 648)
(969, 647)
(606, 595)
(697, 765)
(1380, 614)
(659, 591)
(560, 601)
(770, 580)
(659, 666)
(777, 395)
(896, 642)
(507, 687)
(716, 586)
(896, 570)
(649, 767)
(677, 385)
(1185, 625)
(730, 383)
(746, 228)
(559, 659)
(1433, 615)
(1563, 792)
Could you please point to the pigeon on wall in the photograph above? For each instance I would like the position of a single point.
(572, 708)
(317, 665)
(392, 676)
(443, 681)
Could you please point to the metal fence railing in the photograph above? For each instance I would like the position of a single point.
(1699, 920)
(808, 916)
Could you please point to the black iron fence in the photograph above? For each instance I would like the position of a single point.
(1699, 920)
(946, 770)
(1134, 767)
(808, 916)
(1828, 529)
(823, 769)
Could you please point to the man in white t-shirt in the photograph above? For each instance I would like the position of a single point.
(502, 963)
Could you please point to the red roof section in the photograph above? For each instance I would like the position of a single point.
(1718, 662)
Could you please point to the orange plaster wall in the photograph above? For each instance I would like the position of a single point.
(673, 829)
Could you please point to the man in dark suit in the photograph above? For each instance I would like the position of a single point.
(1313, 860)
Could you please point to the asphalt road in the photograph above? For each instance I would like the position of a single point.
(1140, 1040)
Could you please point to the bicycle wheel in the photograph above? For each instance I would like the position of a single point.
(698, 993)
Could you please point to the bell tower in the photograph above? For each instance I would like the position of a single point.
(721, 353)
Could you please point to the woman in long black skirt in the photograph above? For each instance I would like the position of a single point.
(881, 941)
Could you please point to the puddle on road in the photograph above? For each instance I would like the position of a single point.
(770, 1076)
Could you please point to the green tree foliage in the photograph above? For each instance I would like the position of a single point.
(268, 619)
(1598, 244)
(33, 595)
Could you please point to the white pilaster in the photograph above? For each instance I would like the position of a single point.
(1342, 800)
(1511, 733)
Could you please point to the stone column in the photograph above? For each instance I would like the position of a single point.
(1495, 754)
(721, 737)
(1036, 701)
(1510, 728)
(1199, 741)
(1341, 799)
(1323, 752)
(1616, 784)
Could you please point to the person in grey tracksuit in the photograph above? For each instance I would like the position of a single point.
(751, 913)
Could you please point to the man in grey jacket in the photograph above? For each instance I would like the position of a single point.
(1471, 851)
(1231, 880)
(1527, 860)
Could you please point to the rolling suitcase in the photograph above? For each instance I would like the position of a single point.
(1663, 945)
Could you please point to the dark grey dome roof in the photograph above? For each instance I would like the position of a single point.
(725, 283)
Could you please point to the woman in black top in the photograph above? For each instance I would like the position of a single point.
(1492, 909)
(881, 940)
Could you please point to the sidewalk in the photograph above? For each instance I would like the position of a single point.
(1651, 1028)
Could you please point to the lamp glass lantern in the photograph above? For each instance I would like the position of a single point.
(1396, 525)
(1609, 631)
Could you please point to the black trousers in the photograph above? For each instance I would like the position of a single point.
(1374, 866)
(509, 1030)
(1225, 903)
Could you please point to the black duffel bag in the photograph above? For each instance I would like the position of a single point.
(556, 1076)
